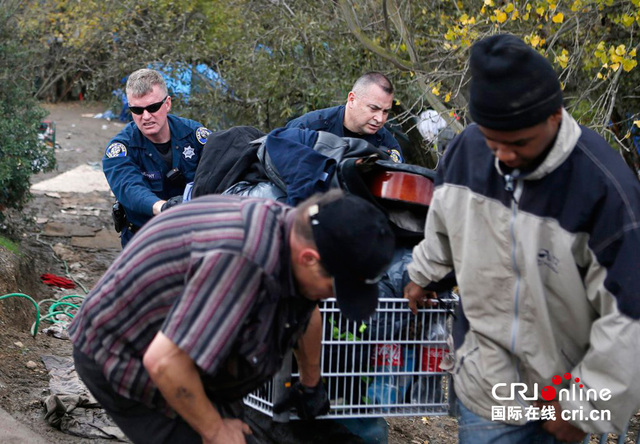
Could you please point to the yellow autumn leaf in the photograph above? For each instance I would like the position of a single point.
(515, 15)
(599, 75)
(540, 10)
(525, 17)
(488, 2)
(501, 16)
(621, 50)
(563, 59)
(535, 40)
(509, 8)
(558, 18)
(447, 98)
(615, 66)
(637, 123)
(435, 91)
(600, 46)
(628, 64)
(403, 47)
(632, 53)
(528, 7)
(627, 20)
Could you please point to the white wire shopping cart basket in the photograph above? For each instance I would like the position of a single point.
(388, 366)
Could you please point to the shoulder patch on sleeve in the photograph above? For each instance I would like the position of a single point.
(202, 134)
(116, 149)
(396, 156)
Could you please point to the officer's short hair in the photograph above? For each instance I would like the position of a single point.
(373, 77)
(141, 82)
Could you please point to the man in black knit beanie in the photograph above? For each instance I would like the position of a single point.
(537, 219)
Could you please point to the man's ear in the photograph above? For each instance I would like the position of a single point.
(351, 97)
(308, 256)
(557, 116)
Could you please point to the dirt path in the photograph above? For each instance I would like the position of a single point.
(67, 230)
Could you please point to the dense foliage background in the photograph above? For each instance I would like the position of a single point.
(21, 152)
(277, 59)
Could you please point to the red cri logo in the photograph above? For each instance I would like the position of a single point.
(549, 393)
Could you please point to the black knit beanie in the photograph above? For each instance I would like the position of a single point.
(512, 86)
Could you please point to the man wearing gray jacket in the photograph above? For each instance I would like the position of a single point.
(538, 219)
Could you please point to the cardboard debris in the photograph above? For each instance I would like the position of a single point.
(82, 179)
(103, 239)
(59, 229)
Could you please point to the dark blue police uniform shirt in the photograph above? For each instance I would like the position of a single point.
(332, 121)
(136, 171)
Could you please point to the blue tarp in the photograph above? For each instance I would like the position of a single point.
(183, 79)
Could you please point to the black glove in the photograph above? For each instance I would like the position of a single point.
(175, 200)
(309, 402)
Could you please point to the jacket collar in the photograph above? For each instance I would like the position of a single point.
(565, 142)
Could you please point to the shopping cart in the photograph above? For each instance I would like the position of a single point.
(47, 134)
(388, 366)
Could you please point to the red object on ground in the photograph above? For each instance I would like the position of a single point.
(57, 281)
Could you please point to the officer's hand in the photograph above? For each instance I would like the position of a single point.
(309, 402)
(175, 200)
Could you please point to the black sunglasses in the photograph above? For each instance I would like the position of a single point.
(153, 108)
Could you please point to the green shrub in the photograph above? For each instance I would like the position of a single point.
(21, 152)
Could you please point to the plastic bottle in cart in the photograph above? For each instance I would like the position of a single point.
(386, 362)
(427, 389)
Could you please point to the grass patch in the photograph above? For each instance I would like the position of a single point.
(9, 245)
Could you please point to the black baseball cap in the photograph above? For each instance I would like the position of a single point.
(356, 245)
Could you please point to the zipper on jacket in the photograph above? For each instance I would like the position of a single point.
(514, 186)
(508, 186)
(516, 192)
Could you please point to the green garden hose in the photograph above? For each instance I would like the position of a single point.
(58, 307)
(34, 329)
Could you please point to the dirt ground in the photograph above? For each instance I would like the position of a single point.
(67, 230)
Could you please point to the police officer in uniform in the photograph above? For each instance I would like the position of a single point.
(363, 116)
(150, 161)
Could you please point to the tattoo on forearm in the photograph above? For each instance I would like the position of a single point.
(184, 393)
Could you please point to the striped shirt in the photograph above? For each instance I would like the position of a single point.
(214, 276)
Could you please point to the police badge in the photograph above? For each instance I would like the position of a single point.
(188, 152)
(116, 149)
(202, 134)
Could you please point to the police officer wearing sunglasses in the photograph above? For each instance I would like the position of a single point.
(151, 160)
